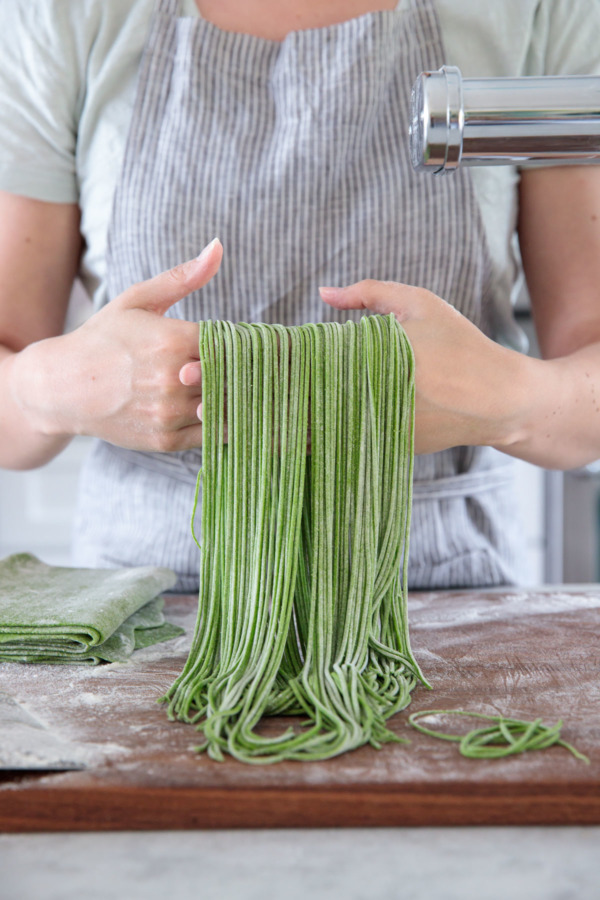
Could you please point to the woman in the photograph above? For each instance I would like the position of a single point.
(133, 133)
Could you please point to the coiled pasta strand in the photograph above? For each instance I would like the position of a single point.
(505, 737)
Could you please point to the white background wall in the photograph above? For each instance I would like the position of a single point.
(36, 507)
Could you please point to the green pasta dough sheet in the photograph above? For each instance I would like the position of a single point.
(52, 614)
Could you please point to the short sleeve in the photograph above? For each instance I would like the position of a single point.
(565, 38)
(40, 96)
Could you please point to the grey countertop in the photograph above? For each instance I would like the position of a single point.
(354, 864)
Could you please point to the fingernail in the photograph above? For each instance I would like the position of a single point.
(207, 250)
(328, 293)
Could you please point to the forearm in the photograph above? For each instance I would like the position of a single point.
(24, 444)
(128, 375)
(472, 391)
(556, 421)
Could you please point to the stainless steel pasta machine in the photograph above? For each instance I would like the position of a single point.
(553, 120)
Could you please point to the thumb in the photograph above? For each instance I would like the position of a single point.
(377, 296)
(159, 293)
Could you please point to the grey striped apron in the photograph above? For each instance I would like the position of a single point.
(295, 155)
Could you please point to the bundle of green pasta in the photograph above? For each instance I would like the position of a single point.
(302, 606)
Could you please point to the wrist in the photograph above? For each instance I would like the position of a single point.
(534, 422)
(32, 390)
(519, 396)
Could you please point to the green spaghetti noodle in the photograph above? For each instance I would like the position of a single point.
(303, 571)
(505, 737)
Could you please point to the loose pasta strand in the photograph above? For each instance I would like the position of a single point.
(505, 737)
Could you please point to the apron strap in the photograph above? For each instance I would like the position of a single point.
(181, 466)
(465, 484)
(168, 7)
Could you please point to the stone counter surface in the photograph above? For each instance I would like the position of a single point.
(342, 864)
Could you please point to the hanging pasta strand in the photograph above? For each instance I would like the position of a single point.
(303, 569)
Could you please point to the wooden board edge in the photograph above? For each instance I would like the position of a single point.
(114, 808)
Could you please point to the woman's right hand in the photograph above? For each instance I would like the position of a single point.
(127, 375)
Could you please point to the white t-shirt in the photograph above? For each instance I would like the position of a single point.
(68, 73)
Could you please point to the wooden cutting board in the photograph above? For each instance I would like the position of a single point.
(525, 654)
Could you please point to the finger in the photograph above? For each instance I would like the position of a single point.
(159, 293)
(191, 374)
(225, 428)
(184, 337)
(190, 437)
(194, 411)
(185, 417)
(377, 296)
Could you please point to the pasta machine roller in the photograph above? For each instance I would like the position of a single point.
(553, 120)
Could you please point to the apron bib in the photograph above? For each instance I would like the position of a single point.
(296, 155)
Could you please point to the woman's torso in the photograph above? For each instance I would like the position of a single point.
(295, 153)
(112, 50)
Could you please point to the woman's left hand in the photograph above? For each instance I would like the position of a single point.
(469, 390)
